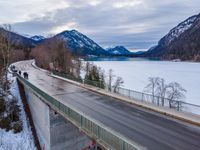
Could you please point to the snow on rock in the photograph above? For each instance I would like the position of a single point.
(78, 41)
(118, 50)
(78, 38)
(178, 30)
(19, 141)
(37, 38)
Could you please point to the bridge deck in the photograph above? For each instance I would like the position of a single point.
(147, 128)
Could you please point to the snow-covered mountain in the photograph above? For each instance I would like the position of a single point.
(182, 42)
(77, 42)
(178, 30)
(80, 43)
(37, 38)
(118, 50)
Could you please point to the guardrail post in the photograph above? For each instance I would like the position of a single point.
(81, 121)
(98, 131)
(158, 101)
(142, 96)
(122, 145)
(68, 111)
(178, 105)
(129, 93)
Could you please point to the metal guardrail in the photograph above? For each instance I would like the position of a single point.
(159, 101)
(94, 128)
(140, 96)
(84, 81)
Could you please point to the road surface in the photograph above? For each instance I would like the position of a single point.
(149, 129)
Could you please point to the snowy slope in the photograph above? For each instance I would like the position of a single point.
(80, 43)
(118, 50)
(178, 30)
(24, 139)
(182, 42)
(37, 38)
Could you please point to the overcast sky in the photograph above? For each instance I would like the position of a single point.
(136, 24)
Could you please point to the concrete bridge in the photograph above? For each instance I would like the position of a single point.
(69, 116)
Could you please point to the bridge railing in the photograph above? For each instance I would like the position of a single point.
(92, 127)
(159, 101)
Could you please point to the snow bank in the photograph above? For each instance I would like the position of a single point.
(23, 140)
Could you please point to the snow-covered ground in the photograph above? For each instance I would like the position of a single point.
(24, 139)
(136, 73)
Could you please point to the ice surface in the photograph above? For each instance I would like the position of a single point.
(136, 74)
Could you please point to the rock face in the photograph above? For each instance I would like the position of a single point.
(182, 42)
(118, 50)
(80, 43)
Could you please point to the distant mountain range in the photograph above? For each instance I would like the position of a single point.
(19, 40)
(182, 42)
(77, 42)
(38, 38)
(119, 50)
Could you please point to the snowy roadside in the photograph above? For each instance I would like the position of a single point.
(24, 139)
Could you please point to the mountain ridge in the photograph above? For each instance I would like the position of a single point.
(180, 43)
(80, 43)
(118, 50)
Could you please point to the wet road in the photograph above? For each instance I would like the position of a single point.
(149, 129)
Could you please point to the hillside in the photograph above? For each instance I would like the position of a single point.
(80, 43)
(17, 39)
(118, 50)
(77, 42)
(182, 42)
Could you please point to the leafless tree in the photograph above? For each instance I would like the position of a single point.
(175, 93)
(53, 54)
(118, 82)
(161, 90)
(77, 65)
(110, 79)
(102, 78)
(152, 87)
(6, 51)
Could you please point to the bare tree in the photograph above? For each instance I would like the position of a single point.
(87, 68)
(77, 65)
(175, 93)
(6, 51)
(118, 82)
(110, 79)
(102, 78)
(152, 86)
(53, 54)
(161, 90)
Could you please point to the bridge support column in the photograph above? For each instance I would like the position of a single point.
(54, 132)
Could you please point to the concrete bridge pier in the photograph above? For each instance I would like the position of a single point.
(53, 131)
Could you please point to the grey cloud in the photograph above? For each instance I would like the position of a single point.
(134, 27)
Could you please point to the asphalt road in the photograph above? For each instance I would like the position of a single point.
(149, 129)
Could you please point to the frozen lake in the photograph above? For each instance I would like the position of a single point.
(136, 72)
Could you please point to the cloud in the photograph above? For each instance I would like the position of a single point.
(127, 3)
(132, 23)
